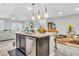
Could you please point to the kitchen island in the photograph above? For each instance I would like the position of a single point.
(35, 44)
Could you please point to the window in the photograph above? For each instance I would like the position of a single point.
(16, 26)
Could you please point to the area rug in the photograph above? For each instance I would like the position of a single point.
(15, 52)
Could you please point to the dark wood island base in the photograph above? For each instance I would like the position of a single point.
(34, 45)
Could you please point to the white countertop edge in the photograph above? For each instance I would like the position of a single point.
(38, 35)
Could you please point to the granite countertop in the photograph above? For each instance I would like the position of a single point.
(37, 35)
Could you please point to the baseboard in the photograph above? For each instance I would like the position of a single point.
(6, 40)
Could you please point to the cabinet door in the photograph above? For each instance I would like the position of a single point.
(42, 46)
(23, 43)
(18, 37)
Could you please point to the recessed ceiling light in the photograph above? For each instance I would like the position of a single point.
(77, 9)
(59, 12)
(29, 8)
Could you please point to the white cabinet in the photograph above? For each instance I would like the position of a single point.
(30, 46)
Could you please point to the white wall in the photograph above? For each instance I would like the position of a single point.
(63, 22)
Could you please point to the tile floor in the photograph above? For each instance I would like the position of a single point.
(6, 46)
(61, 51)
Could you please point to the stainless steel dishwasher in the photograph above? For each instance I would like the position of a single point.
(30, 46)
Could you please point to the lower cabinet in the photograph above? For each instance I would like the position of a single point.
(18, 38)
(23, 43)
(42, 46)
(33, 46)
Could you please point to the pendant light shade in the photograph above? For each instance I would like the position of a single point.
(38, 16)
(33, 18)
(33, 15)
(46, 13)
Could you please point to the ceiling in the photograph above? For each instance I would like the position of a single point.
(20, 9)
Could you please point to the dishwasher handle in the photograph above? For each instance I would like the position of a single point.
(30, 38)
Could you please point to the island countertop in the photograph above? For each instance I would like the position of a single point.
(36, 35)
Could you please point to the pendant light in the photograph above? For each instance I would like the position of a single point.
(46, 12)
(33, 15)
(38, 15)
(38, 12)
